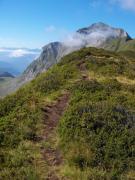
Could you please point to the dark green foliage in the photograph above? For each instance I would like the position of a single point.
(105, 127)
(97, 130)
(87, 86)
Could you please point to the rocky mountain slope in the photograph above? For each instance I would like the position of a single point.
(74, 122)
(93, 36)
(98, 35)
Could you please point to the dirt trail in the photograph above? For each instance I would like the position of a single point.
(52, 156)
(83, 69)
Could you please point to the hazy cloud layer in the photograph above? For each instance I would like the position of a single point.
(126, 4)
(22, 52)
(94, 36)
(15, 53)
(50, 28)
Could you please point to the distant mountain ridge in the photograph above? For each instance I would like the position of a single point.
(7, 67)
(15, 60)
(98, 35)
(6, 74)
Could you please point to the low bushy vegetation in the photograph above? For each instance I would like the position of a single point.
(96, 133)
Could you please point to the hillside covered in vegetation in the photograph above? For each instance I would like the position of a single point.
(76, 121)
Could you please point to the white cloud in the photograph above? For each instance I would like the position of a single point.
(95, 3)
(125, 4)
(81, 40)
(73, 39)
(21, 52)
(50, 28)
(15, 53)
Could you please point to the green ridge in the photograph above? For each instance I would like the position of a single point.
(95, 134)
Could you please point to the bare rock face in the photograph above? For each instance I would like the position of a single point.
(47, 58)
(51, 54)
(97, 34)
(104, 30)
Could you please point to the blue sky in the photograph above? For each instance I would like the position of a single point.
(33, 23)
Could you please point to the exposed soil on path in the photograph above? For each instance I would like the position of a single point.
(83, 69)
(52, 156)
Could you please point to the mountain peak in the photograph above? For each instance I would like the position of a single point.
(104, 30)
(52, 45)
(99, 24)
(98, 35)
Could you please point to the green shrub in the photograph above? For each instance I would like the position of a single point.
(97, 130)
